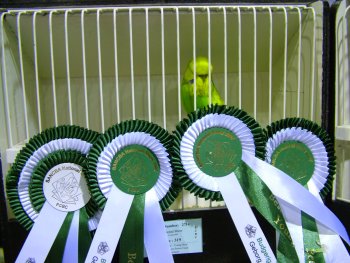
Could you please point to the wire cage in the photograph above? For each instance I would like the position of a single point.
(97, 66)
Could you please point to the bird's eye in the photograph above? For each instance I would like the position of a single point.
(191, 81)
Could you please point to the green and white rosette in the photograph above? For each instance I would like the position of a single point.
(130, 176)
(304, 151)
(207, 158)
(215, 156)
(47, 190)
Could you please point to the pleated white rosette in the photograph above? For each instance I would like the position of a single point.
(315, 145)
(233, 124)
(33, 161)
(19, 182)
(228, 185)
(330, 244)
(103, 173)
(117, 202)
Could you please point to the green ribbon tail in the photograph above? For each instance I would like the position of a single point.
(283, 251)
(266, 203)
(57, 249)
(312, 245)
(313, 249)
(84, 238)
(132, 240)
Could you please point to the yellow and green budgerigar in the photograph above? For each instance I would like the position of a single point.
(203, 70)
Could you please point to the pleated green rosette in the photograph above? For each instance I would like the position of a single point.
(130, 176)
(208, 158)
(304, 151)
(53, 160)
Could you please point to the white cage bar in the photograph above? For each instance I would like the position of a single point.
(95, 67)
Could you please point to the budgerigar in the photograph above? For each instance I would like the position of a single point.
(203, 70)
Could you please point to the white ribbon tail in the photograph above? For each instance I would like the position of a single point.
(110, 227)
(333, 248)
(252, 236)
(39, 241)
(155, 236)
(71, 248)
(291, 192)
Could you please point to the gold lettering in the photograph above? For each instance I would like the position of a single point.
(131, 257)
(282, 227)
(133, 189)
(275, 202)
(286, 232)
(277, 221)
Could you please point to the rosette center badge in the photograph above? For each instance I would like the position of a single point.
(135, 169)
(296, 159)
(65, 188)
(217, 151)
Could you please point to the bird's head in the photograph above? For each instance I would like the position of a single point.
(201, 68)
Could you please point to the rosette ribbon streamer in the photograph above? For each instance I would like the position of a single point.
(304, 151)
(47, 190)
(216, 146)
(130, 176)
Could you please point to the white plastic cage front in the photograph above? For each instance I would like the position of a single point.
(95, 67)
(342, 97)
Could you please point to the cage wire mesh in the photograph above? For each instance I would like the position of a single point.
(342, 97)
(95, 67)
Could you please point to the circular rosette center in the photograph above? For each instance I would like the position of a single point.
(295, 159)
(135, 169)
(217, 151)
(65, 187)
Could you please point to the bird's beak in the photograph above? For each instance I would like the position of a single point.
(200, 80)
(203, 78)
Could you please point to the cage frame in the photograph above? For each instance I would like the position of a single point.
(209, 217)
